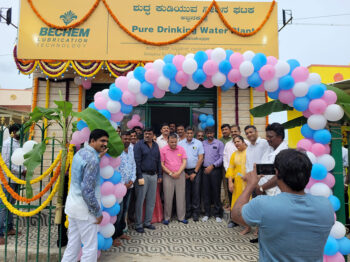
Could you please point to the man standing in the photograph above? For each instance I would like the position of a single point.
(213, 152)
(83, 201)
(194, 151)
(181, 132)
(230, 146)
(149, 173)
(225, 130)
(9, 146)
(200, 136)
(173, 163)
(127, 169)
(162, 140)
(133, 138)
(294, 226)
(172, 127)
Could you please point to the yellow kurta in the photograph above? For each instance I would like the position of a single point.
(237, 165)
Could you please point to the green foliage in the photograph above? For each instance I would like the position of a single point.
(342, 96)
(299, 121)
(268, 108)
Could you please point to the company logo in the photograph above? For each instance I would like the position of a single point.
(68, 17)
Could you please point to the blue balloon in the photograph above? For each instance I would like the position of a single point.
(228, 54)
(259, 60)
(274, 95)
(323, 86)
(331, 246)
(286, 82)
(202, 117)
(201, 57)
(199, 76)
(114, 210)
(211, 116)
(125, 109)
(92, 105)
(168, 58)
(335, 202)
(169, 70)
(316, 91)
(108, 243)
(292, 64)
(322, 136)
(116, 178)
(101, 180)
(228, 84)
(81, 124)
(307, 132)
(100, 241)
(318, 171)
(344, 245)
(139, 73)
(115, 93)
(301, 103)
(175, 87)
(225, 67)
(210, 121)
(203, 125)
(254, 80)
(147, 89)
(105, 113)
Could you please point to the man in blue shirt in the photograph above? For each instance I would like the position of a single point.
(148, 173)
(293, 226)
(194, 151)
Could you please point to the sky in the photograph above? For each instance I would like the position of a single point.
(320, 34)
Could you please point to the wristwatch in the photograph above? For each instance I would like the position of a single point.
(261, 189)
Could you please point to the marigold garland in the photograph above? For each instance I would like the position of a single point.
(35, 100)
(266, 117)
(69, 180)
(251, 104)
(47, 100)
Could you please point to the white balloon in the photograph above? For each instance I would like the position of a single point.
(312, 157)
(338, 230)
(108, 201)
(320, 189)
(113, 106)
(119, 200)
(28, 146)
(189, 55)
(246, 68)
(218, 54)
(130, 75)
(326, 160)
(17, 157)
(306, 190)
(334, 112)
(107, 172)
(189, 66)
(141, 99)
(271, 85)
(77, 80)
(248, 55)
(158, 65)
(191, 85)
(317, 122)
(134, 86)
(107, 231)
(313, 79)
(163, 83)
(105, 93)
(114, 124)
(282, 68)
(243, 84)
(218, 79)
(300, 89)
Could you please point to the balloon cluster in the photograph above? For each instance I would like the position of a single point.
(17, 156)
(206, 121)
(134, 121)
(85, 82)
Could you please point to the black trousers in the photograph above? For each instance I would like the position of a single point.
(193, 196)
(211, 191)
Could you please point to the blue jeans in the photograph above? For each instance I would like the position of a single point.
(4, 211)
(120, 224)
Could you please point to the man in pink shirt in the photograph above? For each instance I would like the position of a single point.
(173, 158)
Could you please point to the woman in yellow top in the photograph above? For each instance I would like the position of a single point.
(236, 171)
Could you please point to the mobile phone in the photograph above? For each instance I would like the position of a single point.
(265, 169)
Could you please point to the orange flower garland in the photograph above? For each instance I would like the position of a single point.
(35, 100)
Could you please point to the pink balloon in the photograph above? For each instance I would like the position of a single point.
(327, 148)
(101, 102)
(78, 137)
(157, 93)
(104, 161)
(107, 188)
(85, 132)
(86, 84)
(286, 96)
(307, 113)
(329, 180)
(300, 74)
(131, 123)
(317, 106)
(148, 66)
(236, 59)
(304, 144)
(128, 97)
(311, 182)
(208, 52)
(97, 95)
(181, 77)
(106, 219)
(208, 83)
(330, 97)
(113, 219)
(210, 67)
(271, 60)
(80, 254)
(114, 161)
(119, 190)
(318, 149)
(234, 75)
(178, 61)
(335, 216)
(136, 117)
(338, 257)
(122, 83)
(267, 72)
(260, 88)
(151, 76)
(117, 117)
(74, 142)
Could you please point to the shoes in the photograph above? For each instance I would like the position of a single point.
(188, 216)
(165, 222)
(195, 218)
(231, 224)
(150, 226)
(254, 240)
(205, 219)
(117, 243)
(12, 232)
(218, 219)
(140, 230)
(2, 241)
(185, 221)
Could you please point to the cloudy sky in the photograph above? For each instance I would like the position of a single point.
(320, 34)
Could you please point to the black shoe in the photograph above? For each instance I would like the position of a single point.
(150, 226)
(140, 230)
(195, 218)
(254, 240)
(188, 216)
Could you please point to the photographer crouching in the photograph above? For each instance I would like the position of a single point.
(293, 226)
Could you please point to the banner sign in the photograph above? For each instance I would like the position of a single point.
(99, 37)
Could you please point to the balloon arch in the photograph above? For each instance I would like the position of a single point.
(287, 81)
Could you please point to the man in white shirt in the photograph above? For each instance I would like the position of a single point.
(230, 146)
(162, 140)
